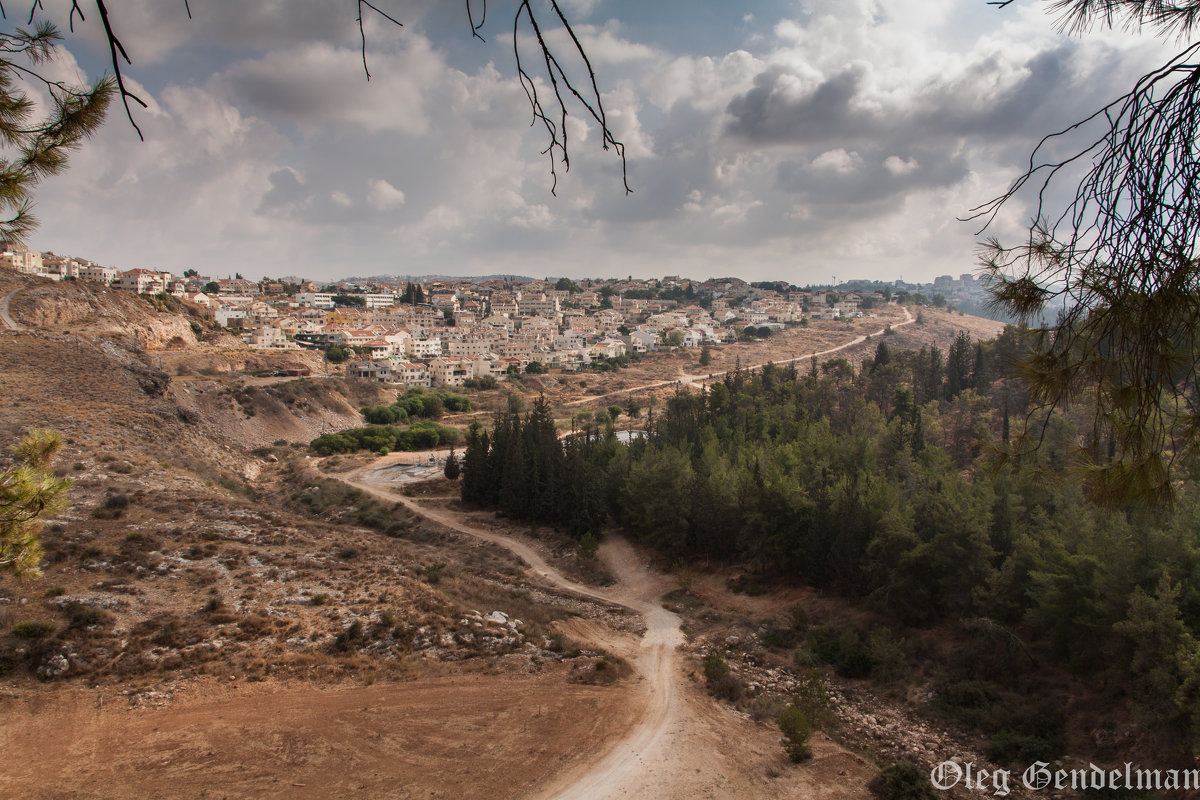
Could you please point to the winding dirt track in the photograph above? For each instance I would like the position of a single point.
(5, 318)
(698, 381)
(682, 745)
(621, 771)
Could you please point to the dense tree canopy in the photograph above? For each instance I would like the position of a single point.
(880, 484)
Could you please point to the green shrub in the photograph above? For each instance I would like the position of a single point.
(796, 729)
(33, 630)
(1010, 747)
(587, 547)
(781, 638)
(722, 684)
(967, 695)
(415, 403)
(799, 619)
(811, 698)
(433, 572)
(715, 666)
(420, 436)
(845, 650)
(1021, 729)
(348, 638)
(727, 688)
(81, 616)
(113, 507)
(482, 383)
(902, 780)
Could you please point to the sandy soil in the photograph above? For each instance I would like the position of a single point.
(477, 736)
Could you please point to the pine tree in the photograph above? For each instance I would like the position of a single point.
(883, 356)
(928, 373)
(979, 375)
(918, 434)
(475, 467)
(1005, 431)
(958, 365)
(28, 494)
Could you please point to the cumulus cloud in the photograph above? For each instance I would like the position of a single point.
(838, 160)
(847, 134)
(900, 166)
(324, 85)
(605, 45)
(383, 196)
(537, 216)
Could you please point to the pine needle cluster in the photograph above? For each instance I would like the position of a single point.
(37, 137)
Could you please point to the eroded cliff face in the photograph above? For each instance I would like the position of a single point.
(228, 355)
(83, 307)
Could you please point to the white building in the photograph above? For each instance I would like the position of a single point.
(143, 281)
(425, 348)
(268, 338)
(378, 300)
(410, 373)
(469, 347)
(315, 299)
(95, 272)
(226, 315)
(451, 371)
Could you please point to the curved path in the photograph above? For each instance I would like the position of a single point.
(655, 657)
(5, 318)
(698, 381)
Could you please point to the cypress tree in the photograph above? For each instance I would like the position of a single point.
(452, 468)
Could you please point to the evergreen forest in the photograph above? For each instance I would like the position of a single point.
(893, 485)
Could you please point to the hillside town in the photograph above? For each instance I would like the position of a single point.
(450, 332)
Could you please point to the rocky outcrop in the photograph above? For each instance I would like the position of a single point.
(83, 307)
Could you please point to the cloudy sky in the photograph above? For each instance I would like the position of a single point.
(770, 139)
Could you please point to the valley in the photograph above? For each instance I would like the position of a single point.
(215, 607)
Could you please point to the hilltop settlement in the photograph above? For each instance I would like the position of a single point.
(449, 332)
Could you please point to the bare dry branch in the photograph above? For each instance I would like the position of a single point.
(115, 47)
(362, 33)
(475, 28)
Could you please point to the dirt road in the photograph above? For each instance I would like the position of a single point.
(655, 657)
(6, 318)
(698, 381)
(681, 744)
